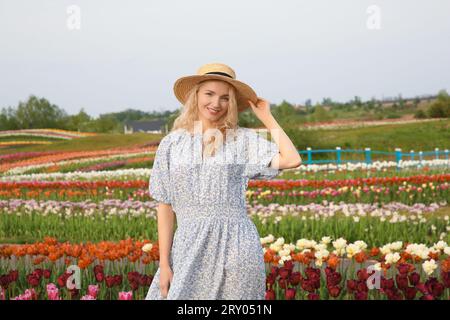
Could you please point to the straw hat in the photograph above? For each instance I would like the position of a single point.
(215, 71)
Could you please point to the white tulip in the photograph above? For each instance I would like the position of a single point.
(447, 251)
(325, 240)
(352, 249)
(280, 241)
(147, 247)
(429, 266)
(440, 245)
(361, 244)
(340, 243)
(392, 258)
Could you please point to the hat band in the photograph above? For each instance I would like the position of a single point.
(220, 74)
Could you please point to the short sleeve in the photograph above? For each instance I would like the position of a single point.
(260, 152)
(159, 184)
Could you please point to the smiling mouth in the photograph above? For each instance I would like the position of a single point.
(213, 110)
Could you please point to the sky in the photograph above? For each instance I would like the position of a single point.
(107, 56)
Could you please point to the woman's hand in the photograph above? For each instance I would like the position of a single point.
(261, 109)
(165, 279)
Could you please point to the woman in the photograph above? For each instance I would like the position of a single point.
(200, 174)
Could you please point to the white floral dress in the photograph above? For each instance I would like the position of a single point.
(216, 252)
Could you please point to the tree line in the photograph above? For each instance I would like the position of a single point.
(38, 113)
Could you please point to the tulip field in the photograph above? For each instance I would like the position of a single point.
(326, 231)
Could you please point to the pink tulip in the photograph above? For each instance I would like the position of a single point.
(93, 290)
(2, 293)
(51, 286)
(126, 295)
(87, 297)
(52, 292)
(29, 294)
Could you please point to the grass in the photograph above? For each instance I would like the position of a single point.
(425, 136)
(32, 228)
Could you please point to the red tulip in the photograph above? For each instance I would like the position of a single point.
(295, 278)
(284, 272)
(99, 277)
(308, 285)
(334, 291)
(132, 275)
(33, 280)
(148, 280)
(393, 294)
(282, 283)
(387, 283)
(110, 281)
(446, 278)
(14, 274)
(422, 288)
(74, 293)
(434, 287)
(362, 286)
(98, 268)
(5, 280)
(289, 265)
(118, 280)
(403, 268)
(360, 295)
(38, 272)
(414, 278)
(351, 285)
(312, 273)
(402, 281)
(47, 273)
(410, 293)
(333, 279)
(313, 296)
(270, 280)
(62, 279)
(290, 294)
(270, 295)
(362, 274)
(274, 270)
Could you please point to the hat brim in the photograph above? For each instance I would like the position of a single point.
(244, 92)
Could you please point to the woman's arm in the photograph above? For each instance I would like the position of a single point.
(166, 221)
(288, 156)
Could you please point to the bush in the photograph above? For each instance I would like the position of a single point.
(441, 107)
(420, 114)
(393, 116)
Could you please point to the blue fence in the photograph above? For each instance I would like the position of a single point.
(368, 154)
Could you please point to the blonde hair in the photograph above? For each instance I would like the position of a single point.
(189, 114)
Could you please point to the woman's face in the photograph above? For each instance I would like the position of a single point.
(213, 100)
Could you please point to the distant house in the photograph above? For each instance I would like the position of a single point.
(154, 126)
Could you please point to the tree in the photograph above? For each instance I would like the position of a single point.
(308, 103)
(8, 119)
(401, 102)
(416, 102)
(105, 123)
(285, 113)
(78, 122)
(320, 114)
(357, 101)
(440, 108)
(38, 113)
(327, 102)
